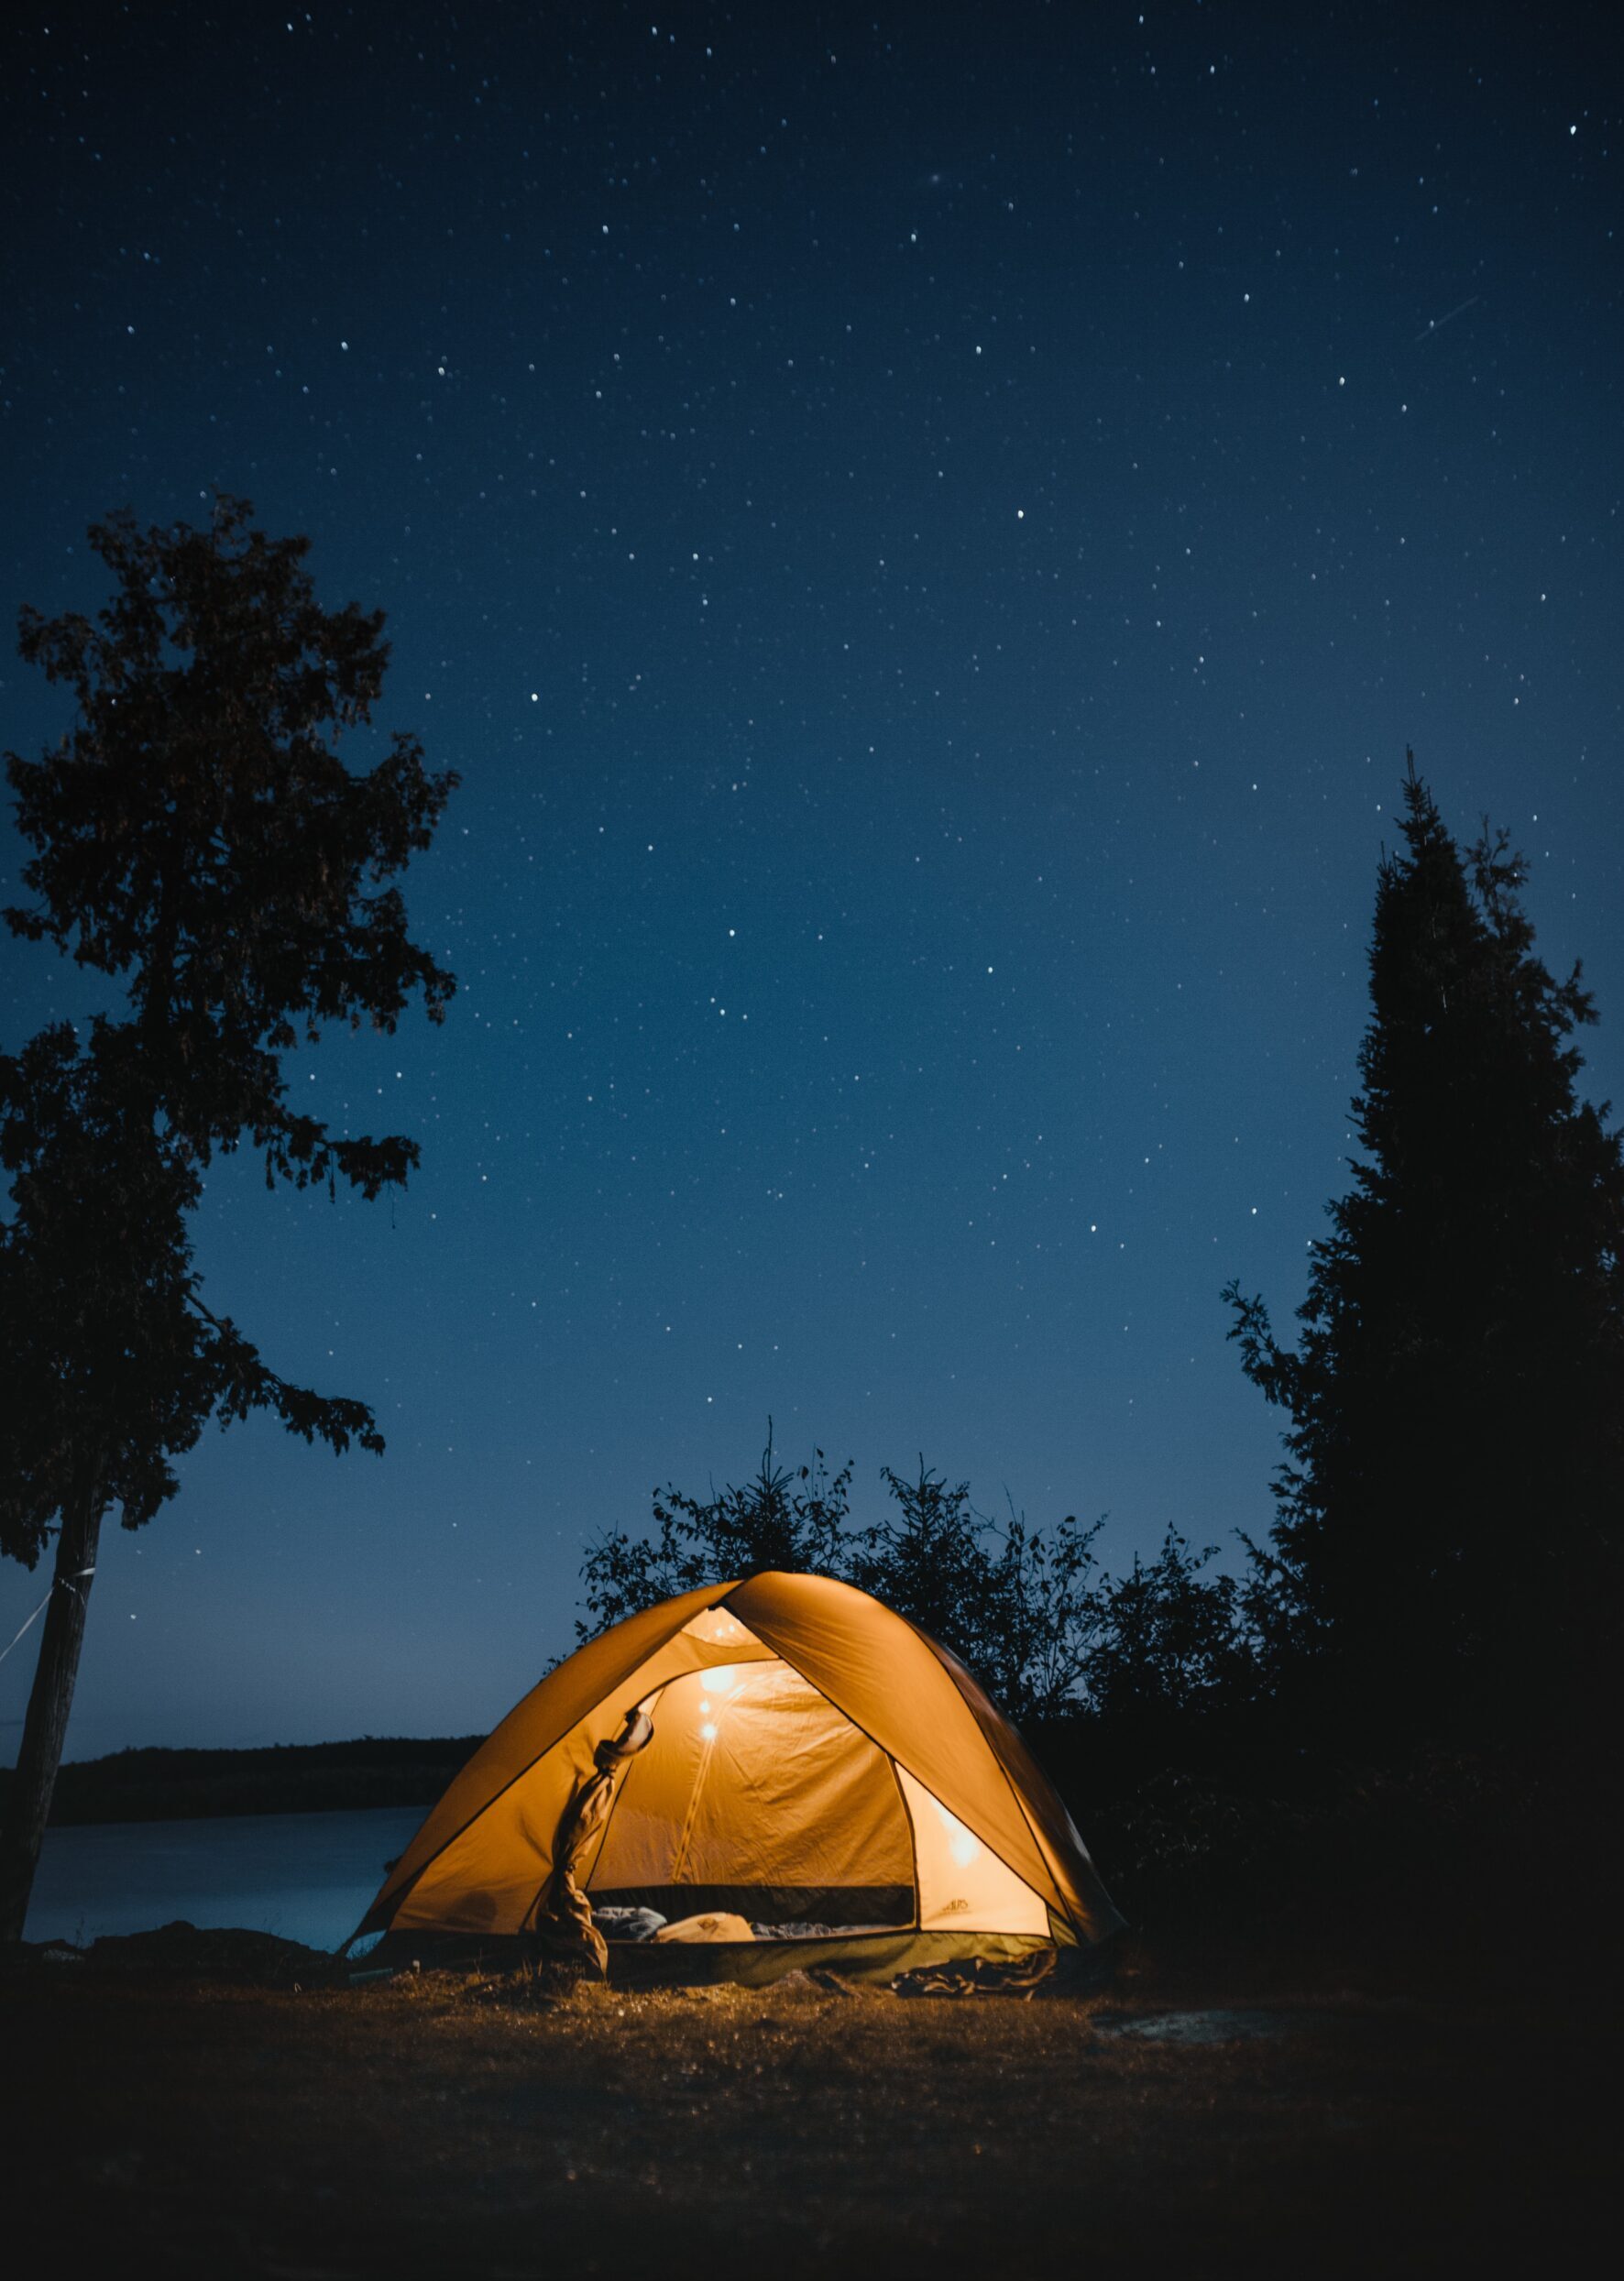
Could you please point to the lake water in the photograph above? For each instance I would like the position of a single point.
(308, 1876)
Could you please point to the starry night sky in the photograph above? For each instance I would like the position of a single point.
(927, 532)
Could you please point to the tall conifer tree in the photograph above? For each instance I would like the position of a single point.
(1448, 1516)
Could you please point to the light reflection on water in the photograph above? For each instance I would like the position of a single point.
(307, 1877)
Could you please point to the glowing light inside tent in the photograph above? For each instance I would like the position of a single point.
(708, 1730)
(962, 1844)
(705, 1710)
(722, 1680)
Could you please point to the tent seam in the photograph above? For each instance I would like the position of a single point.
(1036, 1835)
(907, 1817)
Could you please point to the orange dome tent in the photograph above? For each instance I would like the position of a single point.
(786, 1750)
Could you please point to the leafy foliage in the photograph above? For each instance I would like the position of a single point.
(197, 831)
(110, 1354)
(196, 836)
(1029, 1611)
(1041, 1630)
(1172, 1641)
(780, 1518)
(1448, 1510)
(927, 1561)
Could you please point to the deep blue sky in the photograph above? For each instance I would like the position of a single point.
(927, 533)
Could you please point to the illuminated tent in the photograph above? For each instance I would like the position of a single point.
(787, 1750)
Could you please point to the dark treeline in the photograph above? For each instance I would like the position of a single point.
(159, 1785)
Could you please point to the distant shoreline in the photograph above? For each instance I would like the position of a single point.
(156, 1785)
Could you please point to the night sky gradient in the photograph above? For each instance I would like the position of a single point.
(927, 533)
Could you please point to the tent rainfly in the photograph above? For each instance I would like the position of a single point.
(744, 1759)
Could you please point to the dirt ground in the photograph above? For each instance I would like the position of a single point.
(161, 2121)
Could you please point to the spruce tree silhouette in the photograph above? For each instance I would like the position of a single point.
(1447, 1535)
(194, 837)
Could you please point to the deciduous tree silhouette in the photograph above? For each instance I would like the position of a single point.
(1020, 1607)
(1170, 1643)
(1039, 1628)
(780, 1518)
(928, 1560)
(196, 837)
(1448, 1515)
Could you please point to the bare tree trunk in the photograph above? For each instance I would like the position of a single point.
(46, 1727)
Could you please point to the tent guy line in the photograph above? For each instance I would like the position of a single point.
(66, 1584)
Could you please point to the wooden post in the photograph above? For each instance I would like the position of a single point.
(46, 1728)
